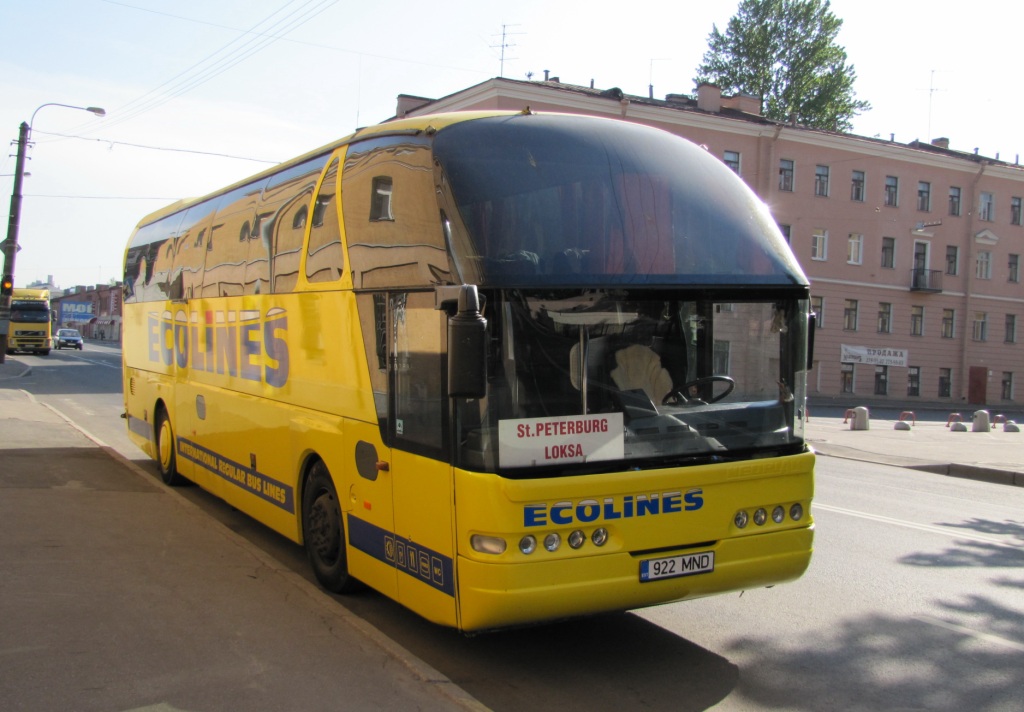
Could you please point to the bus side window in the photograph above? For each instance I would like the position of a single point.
(324, 260)
(420, 404)
(373, 322)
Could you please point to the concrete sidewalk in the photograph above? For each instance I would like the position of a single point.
(930, 445)
(116, 593)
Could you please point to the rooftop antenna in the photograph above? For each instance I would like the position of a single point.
(505, 44)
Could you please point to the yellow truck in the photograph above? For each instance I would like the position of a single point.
(30, 321)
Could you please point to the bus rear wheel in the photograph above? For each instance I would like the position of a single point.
(166, 459)
(323, 532)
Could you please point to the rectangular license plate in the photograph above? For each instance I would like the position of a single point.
(675, 566)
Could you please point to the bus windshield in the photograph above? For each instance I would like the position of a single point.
(655, 379)
(583, 202)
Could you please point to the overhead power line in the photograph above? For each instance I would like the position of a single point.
(249, 42)
(157, 148)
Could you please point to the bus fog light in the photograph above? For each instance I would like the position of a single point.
(760, 516)
(741, 519)
(552, 542)
(599, 537)
(487, 544)
(778, 514)
(796, 512)
(528, 544)
(576, 539)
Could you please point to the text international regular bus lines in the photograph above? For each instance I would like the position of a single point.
(503, 368)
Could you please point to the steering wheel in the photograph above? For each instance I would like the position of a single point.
(678, 395)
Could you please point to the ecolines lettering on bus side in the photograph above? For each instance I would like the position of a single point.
(610, 508)
(223, 342)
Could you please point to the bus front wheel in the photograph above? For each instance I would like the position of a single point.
(165, 456)
(324, 533)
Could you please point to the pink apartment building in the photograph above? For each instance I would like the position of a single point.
(913, 250)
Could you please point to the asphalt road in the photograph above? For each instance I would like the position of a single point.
(913, 600)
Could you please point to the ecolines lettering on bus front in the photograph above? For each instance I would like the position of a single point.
(223, 342)
(610, 508)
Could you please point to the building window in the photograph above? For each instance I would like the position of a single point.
(889, 252)
(881, 380)
(1014, 268)
(884, 318)
(786, 175)
(720, 357)
(916, 320)
(821, 181)
(857, 187)
(846, 377)
(983, 267)
(1015, 211)
(819, 245)
(987, 209)
(952, 260)
(913, 380)
(924, 195)
(892, 191)
(855, 249)
(1007, 385)
(850, 315)
(945, 382)
(954, 200)
(380, 199)
(1010, 333)
(979, 327)
(948, 323)
(786, 231)
(732, 159)
(818, 309)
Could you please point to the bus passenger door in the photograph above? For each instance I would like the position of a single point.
(421, 471)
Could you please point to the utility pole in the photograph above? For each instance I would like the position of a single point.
(10, 245)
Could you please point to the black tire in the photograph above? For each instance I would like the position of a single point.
(323, 532)
(166, 458)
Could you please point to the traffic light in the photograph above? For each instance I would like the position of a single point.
(7, 286)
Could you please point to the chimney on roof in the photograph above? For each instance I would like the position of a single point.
(545, 75)
(709, 97)
(941, 142)
(407, 103)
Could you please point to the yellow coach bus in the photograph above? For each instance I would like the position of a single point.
(502, 368)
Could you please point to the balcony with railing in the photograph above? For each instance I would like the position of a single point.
(925, 280)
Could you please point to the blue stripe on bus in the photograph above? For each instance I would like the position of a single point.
(242, 476)
(423, 564)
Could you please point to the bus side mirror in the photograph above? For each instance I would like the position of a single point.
(467, 347)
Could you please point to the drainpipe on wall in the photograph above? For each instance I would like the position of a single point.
(969, 267)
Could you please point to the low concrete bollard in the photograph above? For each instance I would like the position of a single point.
(1010, 427)
(861, 419)
(981, 423)
(901, 425)
(958, 427)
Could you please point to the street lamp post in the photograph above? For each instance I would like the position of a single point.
(10, 245)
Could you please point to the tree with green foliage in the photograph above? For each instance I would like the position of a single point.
(784, 53)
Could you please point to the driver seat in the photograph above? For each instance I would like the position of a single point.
(638, 367)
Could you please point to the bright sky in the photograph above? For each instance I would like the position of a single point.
(270, 79)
